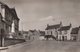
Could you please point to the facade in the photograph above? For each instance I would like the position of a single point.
(33, 34)
(15, 23)
(78, 38)
(1, 23)
(7, 18)
(59, 31)
(64, 33)
(23, 35)
(75, 33)
(42, 33)
(53, 30)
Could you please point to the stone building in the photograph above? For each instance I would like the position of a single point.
(64, 32)
(75, 34)
(15, 22)
(8, 16)
(53, 29)
(59, 31)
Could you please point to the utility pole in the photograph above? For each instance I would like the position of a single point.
(2, 37)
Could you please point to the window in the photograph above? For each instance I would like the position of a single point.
(60, 32)
(3, 13)
(65, 32)
(51, 32)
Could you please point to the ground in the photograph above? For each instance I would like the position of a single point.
(50, 46)
(54, 46)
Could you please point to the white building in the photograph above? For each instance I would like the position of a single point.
(53, 29)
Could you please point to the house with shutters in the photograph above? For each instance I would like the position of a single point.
(64, 32)
(59, 31)
(53, 29)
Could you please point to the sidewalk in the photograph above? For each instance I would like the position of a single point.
(19, 47)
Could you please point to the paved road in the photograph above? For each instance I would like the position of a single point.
(51, 46)
(54, 46)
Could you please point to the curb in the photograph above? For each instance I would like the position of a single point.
(21, 44)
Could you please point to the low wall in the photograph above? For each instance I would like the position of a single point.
(11, 41)
(21, 47)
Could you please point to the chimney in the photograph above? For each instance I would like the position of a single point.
(60, 23)
(70, 25)
(79, 27)
(47, 25)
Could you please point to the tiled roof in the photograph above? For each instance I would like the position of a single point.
(53, 26)
(75, 30)
(64, 28)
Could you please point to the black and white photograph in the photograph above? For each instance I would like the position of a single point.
(39, 25)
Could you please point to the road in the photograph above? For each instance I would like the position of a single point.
(51, 46)
(54, 46)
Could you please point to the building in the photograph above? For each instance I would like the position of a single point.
(34, 34)
(23, 35)
(8, 17)
(59, 31)
(15, 24)
(75, 33)
(64, 32)
(42, 33)
(53, 29)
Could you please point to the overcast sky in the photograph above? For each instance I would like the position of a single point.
(36, 14)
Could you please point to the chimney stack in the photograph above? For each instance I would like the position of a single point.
(47, 25)
(70, 25)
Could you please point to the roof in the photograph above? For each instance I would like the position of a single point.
(12, 10)
(64, 28)
(75, 30)
(32, 30)
(14, 13)
(23, 32)
(2, 3)
(53, 26)
(42, 33)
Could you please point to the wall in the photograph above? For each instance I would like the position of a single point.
(9, 41)
(78, 39)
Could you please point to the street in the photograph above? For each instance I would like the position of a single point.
(53, 46)
(49, 46)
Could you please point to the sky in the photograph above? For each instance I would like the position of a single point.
(36, 14)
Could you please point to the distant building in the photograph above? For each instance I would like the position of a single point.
(64, 32)
(23, 34)
(59, 31)
(33, 34)
(53, 29)
(75, 33)
(78, 38)
(8, 17)
(42, 33)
